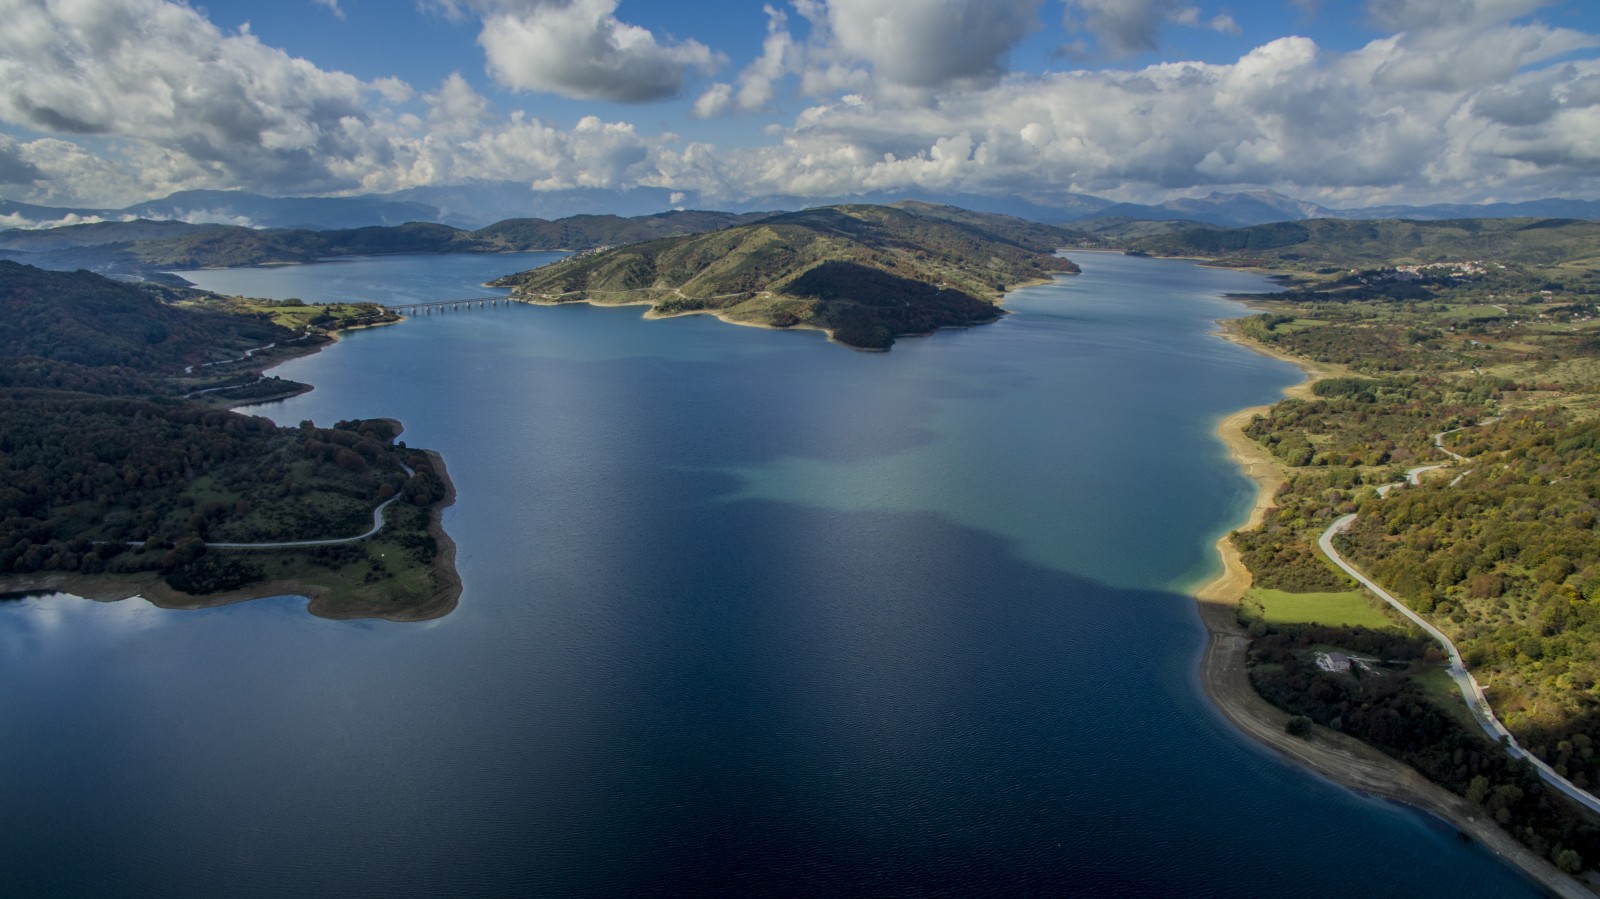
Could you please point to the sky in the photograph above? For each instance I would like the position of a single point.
(1343, 102)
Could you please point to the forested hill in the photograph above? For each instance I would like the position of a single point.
(586, 232)
(1508, 561)
(143, 247)
(1025, 232)
(863, 273)
(115, 464)
(82, 318)
(1345, 244)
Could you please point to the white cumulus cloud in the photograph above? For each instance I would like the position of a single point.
(580, 49)
(112, 101)
(1128, 27)
(1288, 115)
(930, 43)
(14, 169)
(160, 73)
(780, 55)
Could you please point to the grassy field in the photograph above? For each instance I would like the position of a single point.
(1575, 385)
(1462, 313)
(299, 316)
(1349, 608)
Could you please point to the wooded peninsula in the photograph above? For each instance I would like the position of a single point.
(123, 473)
(864, 274)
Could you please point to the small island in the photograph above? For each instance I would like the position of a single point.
(864, 274)
(125, 474)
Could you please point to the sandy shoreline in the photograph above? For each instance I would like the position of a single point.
(1338, 757)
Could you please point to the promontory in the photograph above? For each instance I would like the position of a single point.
(864, 274)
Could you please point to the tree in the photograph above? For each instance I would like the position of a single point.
(1298, 726)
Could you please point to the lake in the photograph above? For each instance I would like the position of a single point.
(743, 612)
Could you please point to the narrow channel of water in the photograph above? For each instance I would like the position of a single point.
(743, 611)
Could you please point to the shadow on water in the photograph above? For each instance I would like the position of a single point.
(909, 709)
(658, 684)
(915, 710)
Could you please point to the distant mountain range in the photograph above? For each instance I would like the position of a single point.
(143, 249)
(1341, 244)
(235, 207)
(1237, 210)
(475, 205)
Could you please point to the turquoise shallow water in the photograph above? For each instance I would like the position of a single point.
(743, 611)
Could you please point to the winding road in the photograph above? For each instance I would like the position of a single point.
(189, 369)
(1470, 689)
(377, 525)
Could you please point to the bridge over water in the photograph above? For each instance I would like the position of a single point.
(464, 303)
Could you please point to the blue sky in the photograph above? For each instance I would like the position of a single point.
(1338, 101)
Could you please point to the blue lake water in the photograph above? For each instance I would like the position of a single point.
(743, 612)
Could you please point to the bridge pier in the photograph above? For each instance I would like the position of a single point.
(457, 305)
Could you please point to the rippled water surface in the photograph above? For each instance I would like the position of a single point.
(743, 611)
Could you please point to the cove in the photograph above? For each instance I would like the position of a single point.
(743, 612)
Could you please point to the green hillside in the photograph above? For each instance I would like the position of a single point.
(862, 273)
(1472, 348)
(143, 247)
(100, 448)
(1347, 244)
(94, 234)
(584, 232)
(1036, 234)
(225, 246)
(81, 318)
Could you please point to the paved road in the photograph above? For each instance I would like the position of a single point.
(1471, 691)
(1413, 477)
(189, 369)
(377, 525)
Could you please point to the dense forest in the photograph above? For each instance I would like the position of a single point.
(106, 469)
(863, 273)
(84, 319)
(1507, 561)
(1352, 433)
(1384, 702)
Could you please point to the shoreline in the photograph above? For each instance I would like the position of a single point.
(721, 315)
(150, 586)
(447, 586)
(1342, 759)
